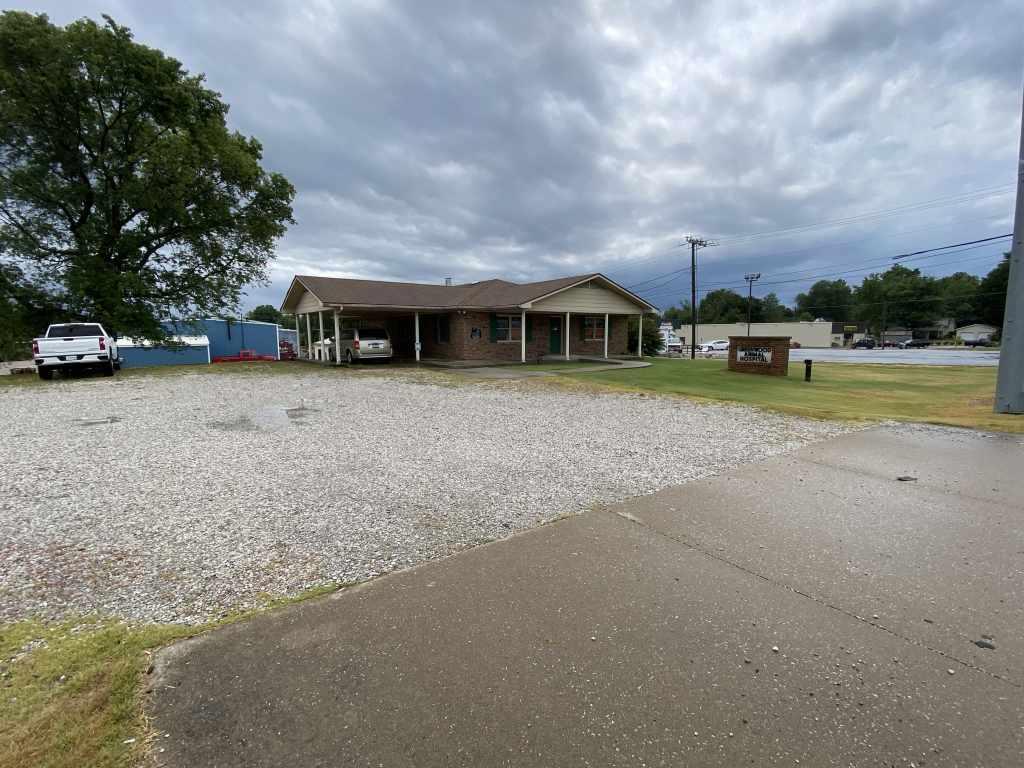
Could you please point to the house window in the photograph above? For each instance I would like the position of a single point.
(508, 327)
(593, 328)
(443, 329)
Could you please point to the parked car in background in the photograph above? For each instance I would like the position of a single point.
(365, 344)
(914, 343)
(718, 345)
(71, 346)
(865, 343)
(978, 343)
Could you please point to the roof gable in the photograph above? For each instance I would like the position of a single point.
(486, 294)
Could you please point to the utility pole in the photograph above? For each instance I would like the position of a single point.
(1010, 383)
(695, 243)
(881, 341)
(750, 277)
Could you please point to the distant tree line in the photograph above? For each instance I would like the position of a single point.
(900, 296)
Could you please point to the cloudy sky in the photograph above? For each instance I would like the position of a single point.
(526, 139)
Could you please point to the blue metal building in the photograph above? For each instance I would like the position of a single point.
(200, 341)
(191, 350)
(229, 337)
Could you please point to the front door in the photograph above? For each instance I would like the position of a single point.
(555, 335)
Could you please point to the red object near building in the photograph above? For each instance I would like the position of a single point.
(287, 351)
(244, 356)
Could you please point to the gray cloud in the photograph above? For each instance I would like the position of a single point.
(531, 139)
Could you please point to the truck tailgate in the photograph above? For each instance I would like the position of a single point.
(72, 345)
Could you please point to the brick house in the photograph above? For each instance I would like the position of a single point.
(489, 320)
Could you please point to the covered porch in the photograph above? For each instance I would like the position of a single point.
(471, 337)
(492, 320)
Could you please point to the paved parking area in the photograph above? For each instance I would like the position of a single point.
(178, 497)
(809, 609)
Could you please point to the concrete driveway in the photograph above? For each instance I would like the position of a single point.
(810, 609)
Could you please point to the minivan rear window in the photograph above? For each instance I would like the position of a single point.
(372, 333)
(73, 329)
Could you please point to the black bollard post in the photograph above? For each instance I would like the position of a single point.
(807, 369)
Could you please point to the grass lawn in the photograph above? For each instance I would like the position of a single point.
(960, 396)
(71, 693)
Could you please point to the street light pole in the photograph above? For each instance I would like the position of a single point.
(1010, 382)
(750, 277)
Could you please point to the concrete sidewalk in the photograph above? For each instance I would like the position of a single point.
(811, 609)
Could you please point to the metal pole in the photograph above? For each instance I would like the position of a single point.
(693, 299)
(750, 277)
(1010, 381)
(416, 322)
(881, 341)
(750, 299)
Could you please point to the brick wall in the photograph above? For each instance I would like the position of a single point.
(470, 338)
(778, 345)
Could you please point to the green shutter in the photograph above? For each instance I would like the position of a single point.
(494, 328)
(583, 328)
(529, 328)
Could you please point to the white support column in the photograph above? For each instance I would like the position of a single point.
(416, 316)
(640, 336)
(522, 335)
(309, 338)
(605, 335)
(324, 356)
(337, 338)
(566, 335)
(298, 337)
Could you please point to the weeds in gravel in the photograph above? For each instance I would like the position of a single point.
(70, 693)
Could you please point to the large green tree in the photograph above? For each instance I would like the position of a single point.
(901, 297)
(723, 306)
(827, 299)
(771, 310)
(267, 313)
(120, 182)
(959, 296)
(990, 301)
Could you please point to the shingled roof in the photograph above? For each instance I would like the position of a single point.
(486, 294)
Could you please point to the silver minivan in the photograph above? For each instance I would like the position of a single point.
(365, 344)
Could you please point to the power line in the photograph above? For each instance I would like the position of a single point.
(772, 256)
(726, 286)
(809, 274)
(957, 245)
(940, 202)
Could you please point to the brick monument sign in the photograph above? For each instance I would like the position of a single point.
(768, 355)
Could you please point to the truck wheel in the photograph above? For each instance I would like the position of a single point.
(46, 374)
(348, 356)
(108, 369)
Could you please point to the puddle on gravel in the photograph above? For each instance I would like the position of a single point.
(85, 422)
(270, 418)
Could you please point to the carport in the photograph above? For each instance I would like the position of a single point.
(493, 320)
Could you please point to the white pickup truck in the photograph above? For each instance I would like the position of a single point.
(68, 346)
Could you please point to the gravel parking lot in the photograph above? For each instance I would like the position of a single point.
(177, 497)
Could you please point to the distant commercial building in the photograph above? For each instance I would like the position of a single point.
(816, 333)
